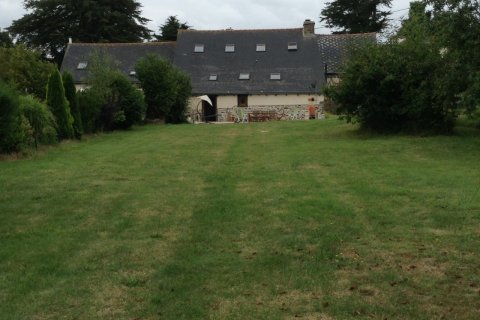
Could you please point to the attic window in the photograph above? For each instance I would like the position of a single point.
(230, 48)
(275, 76)
(82, 65)
(213, 77)
(244, 76)
(261, 47)
(133, 73)
(199, 48)
(292, 46)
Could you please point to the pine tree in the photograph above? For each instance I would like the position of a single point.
(58, 104)
(355, 16)
(169, 30)
(71, 95)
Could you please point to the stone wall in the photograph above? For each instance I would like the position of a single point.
(279, 112)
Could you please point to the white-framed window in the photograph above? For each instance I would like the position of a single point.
(82, 65)
(213, 77)
(230, 48)
(133, 73)
(292, 46)
(275, 76)
(199, 48)
(244, 76)
(261, 47)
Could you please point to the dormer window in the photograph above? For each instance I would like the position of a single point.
(261, 47)
(230, 48)
(292, 46)
(199, 48)
(244, 76)
(82, 65)
(275, 76)
(213, 77)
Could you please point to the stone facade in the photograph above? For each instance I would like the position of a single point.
(272, 112)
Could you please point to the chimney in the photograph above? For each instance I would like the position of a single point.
(308, 28)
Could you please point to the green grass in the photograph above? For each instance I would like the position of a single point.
(279, 220)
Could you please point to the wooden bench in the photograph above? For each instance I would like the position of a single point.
(260, 116)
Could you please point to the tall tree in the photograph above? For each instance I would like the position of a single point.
(58, 104)
(49, 23)
(5, 40)
(71, 95)
(169, 30)
(356, 16)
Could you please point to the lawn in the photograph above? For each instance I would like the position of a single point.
(277, 220)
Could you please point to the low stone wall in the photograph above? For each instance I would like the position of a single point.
(281, 112)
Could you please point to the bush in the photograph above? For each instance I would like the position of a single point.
(71, 95)
(40, 119)
(111, 102)
(13, 127)
(184, 91)
(90, 105)
(59, 106)
(125, 105)
(396, 87)
(166, 89)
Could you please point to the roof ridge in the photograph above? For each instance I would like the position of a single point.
(121, 43)
(239, 30)
(347, 34)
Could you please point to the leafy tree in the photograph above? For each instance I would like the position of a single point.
(49, 23)
(12, 127)
(71, 95)
(40, 119)
(24, 69)
(356, 16)
(59, 106)
(5, 40)
(157, 80)
(111, 101)
(169, 30)
(396, 87)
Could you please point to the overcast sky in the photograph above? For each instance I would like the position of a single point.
(221, 14)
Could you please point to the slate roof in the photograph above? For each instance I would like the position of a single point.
(301, 71)
(126, 56)
(334, 48)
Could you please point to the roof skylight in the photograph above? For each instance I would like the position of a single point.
(213, 77)
(230, 48)
(82, 65)
(275, 76)
(261, 47)
(244, 76)
(199, 48)
(292, 46)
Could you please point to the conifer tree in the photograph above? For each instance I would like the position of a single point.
(58, 104)
(71, 95)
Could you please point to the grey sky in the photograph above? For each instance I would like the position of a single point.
(220, 14)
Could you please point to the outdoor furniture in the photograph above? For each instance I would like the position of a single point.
(260, 116)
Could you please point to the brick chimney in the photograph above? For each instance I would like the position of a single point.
(308, 28)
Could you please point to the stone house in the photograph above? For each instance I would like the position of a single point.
(242, 75)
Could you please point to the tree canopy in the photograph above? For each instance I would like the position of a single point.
(356, 16)
(49, 23)
(169, 30)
